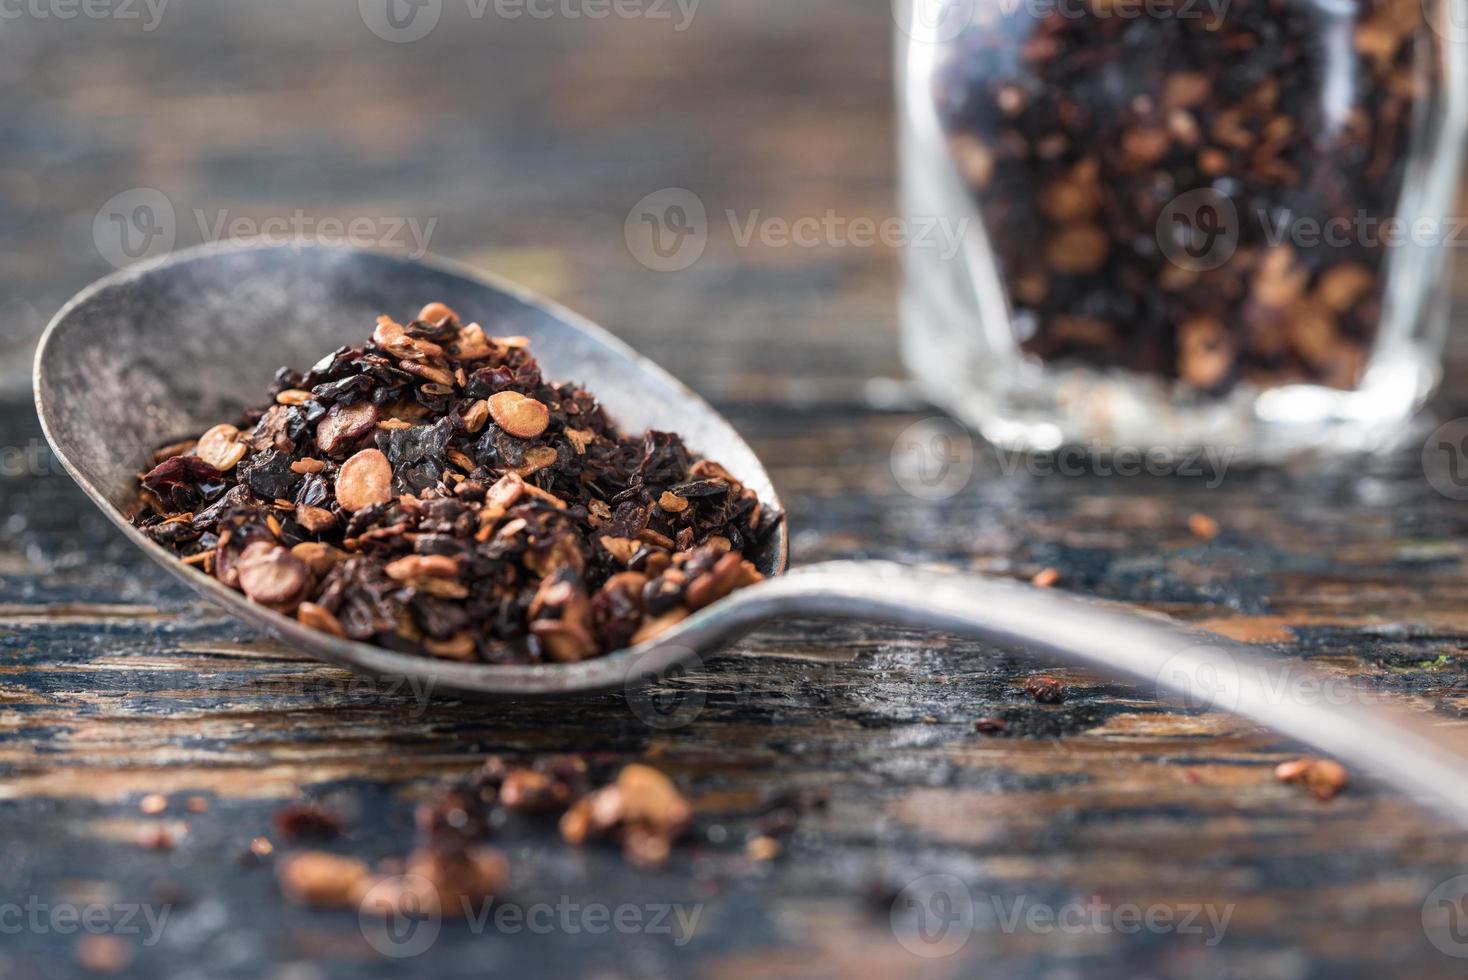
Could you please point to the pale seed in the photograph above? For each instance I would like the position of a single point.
(436, 313)
(364, 480)
(317, 618)
(293, 396)
(476, 416)
(271, 575)
(537, 459)
(319, 878)
(221, 447)
(521, 417)
(422, 566)
(458, 647)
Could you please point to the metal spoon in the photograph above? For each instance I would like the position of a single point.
(151, 354)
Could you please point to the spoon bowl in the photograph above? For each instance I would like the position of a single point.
(152, 354)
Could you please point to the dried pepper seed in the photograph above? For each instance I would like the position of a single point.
(422, 566)
(1046, 578)
(522, 417)
(481, 513)
(1323, 778)
(272, 576)
(317, 618)
(221, 447)
(1203, 527)
(476, 416)
(319, 878)
(437, 313)
(364, 480)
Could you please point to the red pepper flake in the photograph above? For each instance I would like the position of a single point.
(1045, 689)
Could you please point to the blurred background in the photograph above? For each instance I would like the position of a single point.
(516, 135)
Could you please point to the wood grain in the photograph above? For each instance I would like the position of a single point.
(530, 140)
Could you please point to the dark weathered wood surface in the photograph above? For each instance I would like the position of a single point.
(529, 140)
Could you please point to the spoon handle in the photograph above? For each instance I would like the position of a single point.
(1354, 725)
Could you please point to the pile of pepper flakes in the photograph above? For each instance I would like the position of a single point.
(430, 492)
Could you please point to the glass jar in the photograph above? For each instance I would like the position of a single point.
(1185, 223)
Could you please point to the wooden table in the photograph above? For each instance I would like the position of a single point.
(529, 140)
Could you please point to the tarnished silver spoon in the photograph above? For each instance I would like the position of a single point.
(153, 353)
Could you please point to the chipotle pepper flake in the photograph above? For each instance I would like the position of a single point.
(343, 425)
(1045, 689)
